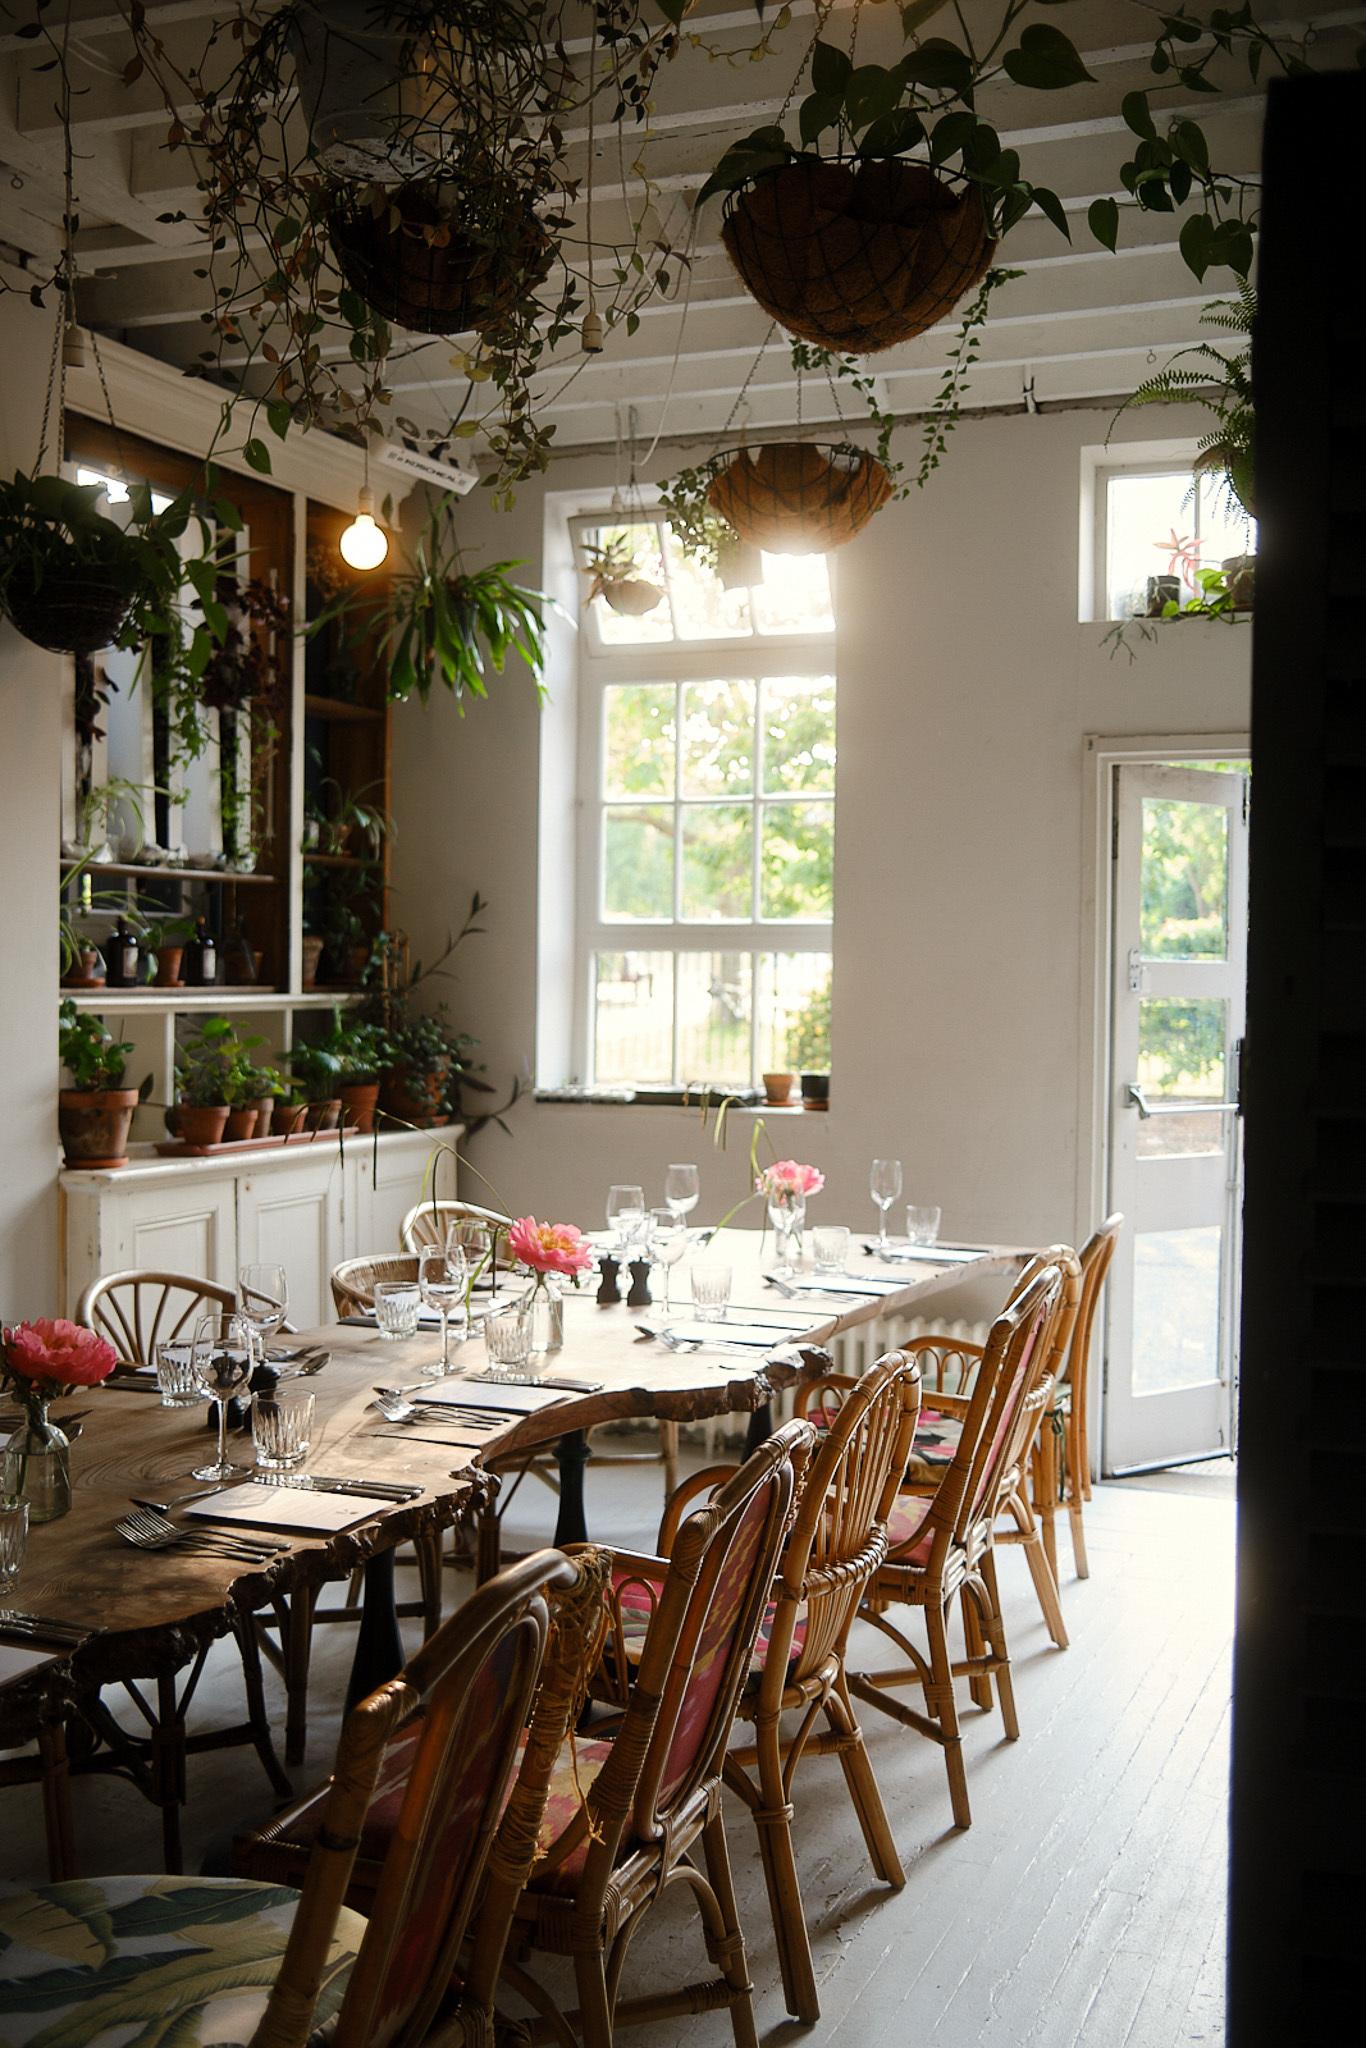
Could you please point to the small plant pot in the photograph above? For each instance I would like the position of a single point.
(778, 1089)
(86, 971)
(241, 1124)
(94, 1124)
(414, 1097)
(632, 596)
(168, 966)
(1240, 574)
(265, 1110)
(312, 951)
(196, 1124)
(287, 1117)
(322, 1116)
(815, 1091)
(360, 1099)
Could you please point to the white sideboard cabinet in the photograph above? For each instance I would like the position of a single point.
(309, 1206)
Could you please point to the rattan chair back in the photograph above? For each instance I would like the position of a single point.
(429, 1223)
(135, 1311)
(354, 1281)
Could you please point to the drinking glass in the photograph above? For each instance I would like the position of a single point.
(922, 1224)
(222, 1354)
(13, 1541)
(262, 1300)
(397, 1303)
(507, 1340)
(668, 1240)
(830, 1246)
(710, 1290)
(625, 1214)
(282, 1430)
(475, 1241)
(443, 1278)
(176, 1376)
(681, 1190)
(884, 1185)
(787, 1214)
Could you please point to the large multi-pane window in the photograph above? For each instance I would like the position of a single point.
(709, 842)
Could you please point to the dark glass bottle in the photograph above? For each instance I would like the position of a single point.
(199, 968)
(121, 957)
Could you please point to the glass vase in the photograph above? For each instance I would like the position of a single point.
(545, 1306)
(37, 1466)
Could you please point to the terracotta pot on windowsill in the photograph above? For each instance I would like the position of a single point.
(778, 1089)
(200, 1124)
(265, 1110)
(322, 1116)
(287, 1117)
(312, 953)
(94, 1125)
(168, 966)
(360, 1099)
(241, 1123)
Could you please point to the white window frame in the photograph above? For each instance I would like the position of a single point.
(1179, 464)
(677, 661)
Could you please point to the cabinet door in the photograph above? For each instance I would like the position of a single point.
(190, 1227)
(384, 1181)
(292, 1213)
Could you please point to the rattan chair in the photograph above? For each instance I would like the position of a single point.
(942, 1547)
(650, 1811)
(864, 1430)
(135, 1311)
(429, 1223)
(243, 1961)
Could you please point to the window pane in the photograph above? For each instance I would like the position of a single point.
(639, 731)
(714, 1009)
(1140, 513)
(794, 596)
(633, 1000)
(636, 557)
(703, 608)
(1176, 1308)
(1184, 913)
(718, 843)
(638, 860)
(793, 1009)
(798, 861)
(1182, 1041)
(799, 733)
(1225, 528)
(718, 739)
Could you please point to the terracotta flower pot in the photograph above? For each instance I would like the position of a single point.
(322, 1116)
(415, 1097)
(778, 1089)
(168, 966)
(265, 1110)
(360, 1100)
(86, 971)
(857, 256)
(241, 1124)
(94, 1125)
(312, 952)
(196, 1124)
(287, 1117)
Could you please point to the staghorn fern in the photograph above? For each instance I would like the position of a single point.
(1222, 384)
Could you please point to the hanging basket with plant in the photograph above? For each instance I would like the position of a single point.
(614, 576)
(70, 578)
(857, 255)
(436, 258)
(796, 497)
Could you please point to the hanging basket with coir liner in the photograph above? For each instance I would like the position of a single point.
(797, 498)
(439, 269)
(857, 257)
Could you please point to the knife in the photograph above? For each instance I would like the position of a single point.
(379, 1489)
(66, 1633)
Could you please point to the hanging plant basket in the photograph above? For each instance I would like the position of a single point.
(423, 264)
(857, 257)
(76, 613)
(798, 498)
(632, 596)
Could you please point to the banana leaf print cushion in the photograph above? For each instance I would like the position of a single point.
(152, 1962)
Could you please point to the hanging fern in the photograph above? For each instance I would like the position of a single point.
(1222, 384)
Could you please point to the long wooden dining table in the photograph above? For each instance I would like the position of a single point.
(147, 1618)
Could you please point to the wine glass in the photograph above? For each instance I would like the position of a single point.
(474, 1241)
(625, 1214)
(884, 1185)
(787, 1214)
(667, 1242)
(443, 1276)
(681, 1190)
(262, 1300)
(222, 1354)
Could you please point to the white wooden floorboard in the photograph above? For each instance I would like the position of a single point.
(1083, 1909)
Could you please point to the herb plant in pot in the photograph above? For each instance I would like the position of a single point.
(166, 937)
(95, 1114)
(245, 1087)
(425, 1054)
(317, 1070)
(204, 1071)
(365, 1054)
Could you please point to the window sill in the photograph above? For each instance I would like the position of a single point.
(671, 1098)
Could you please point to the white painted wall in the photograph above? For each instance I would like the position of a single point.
(30, 786)
(966, 690)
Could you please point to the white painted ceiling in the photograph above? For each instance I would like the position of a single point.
(1079, 323)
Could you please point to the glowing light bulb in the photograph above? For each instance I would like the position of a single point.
(364, 545)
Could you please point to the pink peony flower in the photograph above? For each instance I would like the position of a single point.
(63, 1353)
(550, 1247)
(788, 1178)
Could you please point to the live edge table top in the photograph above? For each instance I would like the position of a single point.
(151, 1611)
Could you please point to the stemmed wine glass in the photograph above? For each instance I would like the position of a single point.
(625, 1214)
(667, 1241)
(442, 1277)
(884, 1184)
(221, 1355)
(474, 1241)
(262, 1301)
(681, 1190)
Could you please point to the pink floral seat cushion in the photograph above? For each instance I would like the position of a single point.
(935, 1448)
(577, 1765)
(903, 1525)
(634, 1601)
(107, 1962)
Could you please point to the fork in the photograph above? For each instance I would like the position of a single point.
(147, 1531)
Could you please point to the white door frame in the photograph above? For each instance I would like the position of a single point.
(1103, 754)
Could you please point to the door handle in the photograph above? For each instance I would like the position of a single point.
(1136, 1098)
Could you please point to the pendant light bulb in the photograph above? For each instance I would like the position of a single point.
(364, 545)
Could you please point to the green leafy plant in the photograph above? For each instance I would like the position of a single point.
(443, 619)
(249, 1083)
(1205, 376)
(339, 813)
(207, 1063)
(95, 1060)
(317, 1069)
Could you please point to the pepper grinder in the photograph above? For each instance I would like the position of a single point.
(640, 1296)
(608, 1292)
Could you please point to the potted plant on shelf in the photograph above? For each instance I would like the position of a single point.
(95, 1114)
(347, 913)
(204, 1071)
(166, 939)
(244, 1088)
(317, 1069)
(425, 1053)
(342, 817)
